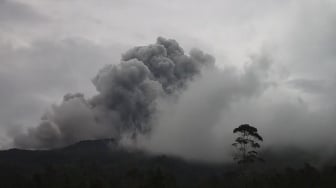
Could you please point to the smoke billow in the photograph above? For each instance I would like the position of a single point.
(126, 99)
(184, 105)
(198, 124)
(66, 123)
(189, 125)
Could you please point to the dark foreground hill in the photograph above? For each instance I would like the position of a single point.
(103, 164)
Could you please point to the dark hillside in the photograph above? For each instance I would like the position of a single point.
(102, 163)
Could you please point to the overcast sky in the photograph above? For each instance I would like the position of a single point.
(49, 48)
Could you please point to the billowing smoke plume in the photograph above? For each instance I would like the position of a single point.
(184, 105)
(126, 99)
(198, 125)
(192, 126)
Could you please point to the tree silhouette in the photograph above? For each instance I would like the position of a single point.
(247, 144)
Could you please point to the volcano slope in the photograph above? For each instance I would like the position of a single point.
(103, 163)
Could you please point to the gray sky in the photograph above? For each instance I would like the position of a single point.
(49, 48)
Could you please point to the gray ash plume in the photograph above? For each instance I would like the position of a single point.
(126, 99)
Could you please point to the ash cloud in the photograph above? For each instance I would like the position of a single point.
(173, 103)
(290, 99)
(66, 123)
(126, 99)
(190, 125)
(198, 124)
(34, 77)
(168, 64)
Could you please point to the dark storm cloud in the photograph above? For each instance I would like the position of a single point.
(126, 100)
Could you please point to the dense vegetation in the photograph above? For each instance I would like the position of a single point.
(101, 164)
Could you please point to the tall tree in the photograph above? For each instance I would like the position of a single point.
(247, 144)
